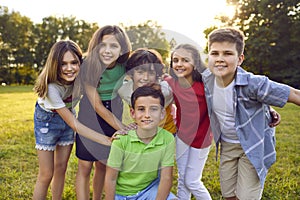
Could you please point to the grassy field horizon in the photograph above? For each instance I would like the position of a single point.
(19, 165)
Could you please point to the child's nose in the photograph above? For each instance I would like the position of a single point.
(69, 66)
(145, 75)
(147, 113)
(179, 63)
(107, 48)
(220, 58)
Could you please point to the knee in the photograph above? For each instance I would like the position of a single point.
(45, 176)
(188, 184)
(84, 170)
(100, 166)
(191, 185)
(60, 167)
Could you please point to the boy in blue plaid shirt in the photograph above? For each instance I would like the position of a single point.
(238, 105)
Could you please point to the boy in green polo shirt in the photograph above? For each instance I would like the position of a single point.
(140, 163)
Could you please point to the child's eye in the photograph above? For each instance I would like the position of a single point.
(115, 46)
(139, 71)
(186, 60)
(152, 73)
(175, 60)
(75, 62)
(228, 53)
(154, 108)
(141, 109)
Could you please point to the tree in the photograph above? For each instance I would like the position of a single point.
(149, 34)
(24, 46)
(16, 43)
(272, 31)
(53, 29)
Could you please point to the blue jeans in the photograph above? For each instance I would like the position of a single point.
(149, 193)
(51, 130)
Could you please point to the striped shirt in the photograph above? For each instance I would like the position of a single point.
(252, 95)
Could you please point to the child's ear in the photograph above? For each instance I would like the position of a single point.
(163, 113)
(241, 59)
(132, 113)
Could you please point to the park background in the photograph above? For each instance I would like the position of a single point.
(272, 29)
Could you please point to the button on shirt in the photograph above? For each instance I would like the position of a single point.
(251, 94)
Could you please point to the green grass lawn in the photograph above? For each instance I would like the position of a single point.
(18, 159)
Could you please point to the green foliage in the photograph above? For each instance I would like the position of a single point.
(272, 29)
(19, 166)
(149, 35)
(16, 39)
(53, 29)
(24, 46)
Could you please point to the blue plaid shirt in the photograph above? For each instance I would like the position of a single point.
(251, 96)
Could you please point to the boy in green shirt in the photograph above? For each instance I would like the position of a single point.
(140, 163)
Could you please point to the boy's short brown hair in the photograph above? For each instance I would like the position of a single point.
(145, 59)
(151, 89)
(230, 35)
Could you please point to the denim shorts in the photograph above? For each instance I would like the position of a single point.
(51, 130)
(148, 193)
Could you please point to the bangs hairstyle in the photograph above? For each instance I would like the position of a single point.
(230, 35)
(199, 65)
(92, 63)
(152, 89)
(144, 59)
(53, 66)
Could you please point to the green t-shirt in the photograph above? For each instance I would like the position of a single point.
(139, 163)
(110, 82)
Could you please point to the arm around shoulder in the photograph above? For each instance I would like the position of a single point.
(100, 109)
(294, 96)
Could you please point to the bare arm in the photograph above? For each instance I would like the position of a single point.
(111, 176)
(165, 183)
(83, 130)
(100, 109)
(294, 96)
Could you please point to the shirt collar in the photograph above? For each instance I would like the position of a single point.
(241, 77)
(156, 141)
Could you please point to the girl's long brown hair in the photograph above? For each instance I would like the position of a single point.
(92, 66)
(50, 72)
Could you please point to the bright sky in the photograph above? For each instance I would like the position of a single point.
(185, 20)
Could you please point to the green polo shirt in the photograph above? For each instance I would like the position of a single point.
(138, 163)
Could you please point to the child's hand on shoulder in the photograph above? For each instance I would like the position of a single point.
(131, 126)
(165, 76)
(115, 136)
(124, 131)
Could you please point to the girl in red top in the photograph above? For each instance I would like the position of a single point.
(193, 138)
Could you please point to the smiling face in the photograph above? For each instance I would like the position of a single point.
(110, 50)
(69, 68)
(147, 113)
(183, 64)
(223, 60)
(143, 75)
